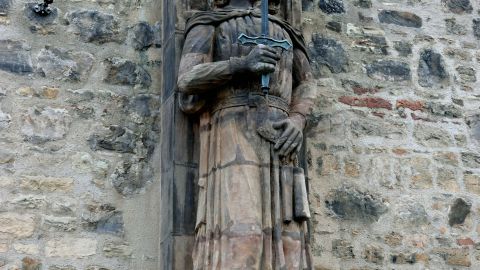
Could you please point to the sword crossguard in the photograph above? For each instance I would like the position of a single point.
(247, 40)
(284, 44)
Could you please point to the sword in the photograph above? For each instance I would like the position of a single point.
(265, 40)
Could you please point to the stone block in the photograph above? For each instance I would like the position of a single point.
(46, 184)
(40, 125)
(329, 53)
(125, 72)
(117, 250)
(352, 204)
(472, 183)
(458, 6)
(15, 57)
(31, 249)
(401, 18)
(431, 69)
(332, 6)
(389, 70)
(17, 225)
(95, 26)
(61, 64)
(71, 247)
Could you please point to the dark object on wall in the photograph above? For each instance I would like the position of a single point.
(43, 9)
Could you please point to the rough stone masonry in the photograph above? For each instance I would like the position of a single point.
(393, 146)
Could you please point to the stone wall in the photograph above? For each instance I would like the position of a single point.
(393, 149)
(79, 129)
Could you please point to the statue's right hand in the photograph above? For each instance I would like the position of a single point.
(261, 60)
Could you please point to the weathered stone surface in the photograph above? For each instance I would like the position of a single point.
(41, 125)
(94, 26)
(31, 249)
(117, 249)
(467, 74)
(421, 176)
(334, 26)
(64, 65)
(144, 36)
(404, 48)
(472, 183)
(125, 72)
(458, 212)
(458, 6)
(5, 6)
(431, 136)
(401, 18)
(431, 69)
(363, 3)
(471, 160)
(476, 28)
(96, 267)
(119, 139)
(342, 249)
(31, 264)
(6, 156)
(62, 267)
(17, 225)
(402, 258)
(328, 52)
(455, 256)
(447, 180)
(454, 28)
(103, 219)
(5, 120)
(15, 57)
(368, 127)
(411, 212)
(71, 247)
(46, 184)
(373, 254)
(352, 204)
(331, 6)
(67, 224)
(389, 70)
(130, 177)
(29, 201)
(393, 239)
(444, 110)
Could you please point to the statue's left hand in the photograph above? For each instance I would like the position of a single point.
(291, 139)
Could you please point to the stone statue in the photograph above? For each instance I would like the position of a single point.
(252, 205)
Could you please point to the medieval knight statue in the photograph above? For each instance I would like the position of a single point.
(246, 75)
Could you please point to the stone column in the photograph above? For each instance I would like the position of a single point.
(179, 153)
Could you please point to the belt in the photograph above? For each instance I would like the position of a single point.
(252, 100)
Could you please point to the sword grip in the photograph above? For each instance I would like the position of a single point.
(265, 83)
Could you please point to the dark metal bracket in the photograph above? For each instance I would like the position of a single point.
(43, 9)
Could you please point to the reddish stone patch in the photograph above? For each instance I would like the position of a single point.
(369, 102)
(364, 90)
(399, 151)
(465, 242)
(412, 105)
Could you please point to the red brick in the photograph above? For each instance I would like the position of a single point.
(412, 105)
(369, 102)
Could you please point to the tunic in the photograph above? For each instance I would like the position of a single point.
(238, 214)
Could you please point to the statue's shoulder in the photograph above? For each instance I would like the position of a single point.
(212, 17)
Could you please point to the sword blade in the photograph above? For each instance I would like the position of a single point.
(265, 28)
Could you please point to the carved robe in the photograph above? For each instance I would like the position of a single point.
(238, 223)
